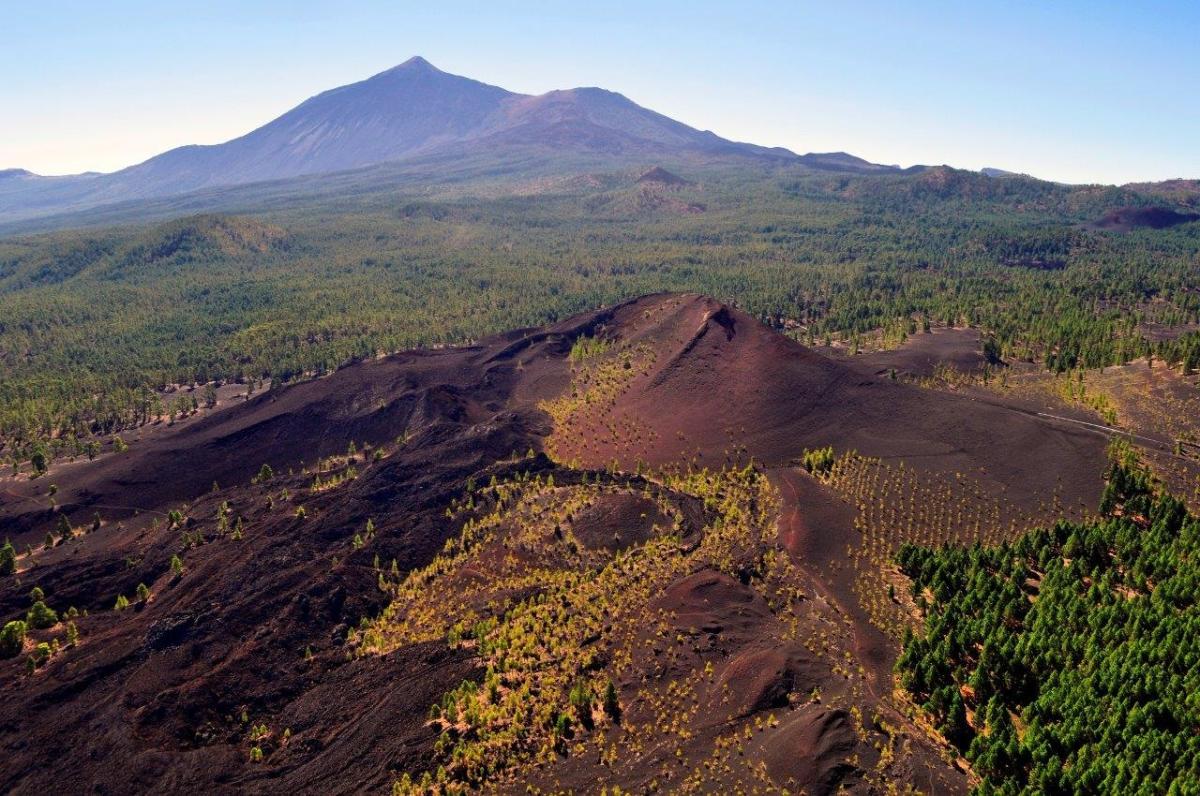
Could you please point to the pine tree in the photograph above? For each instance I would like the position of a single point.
(955, 727)
(65, 531)
(612, 704)
(12, 639)
(41, 616)
(8, 558)
(38, 459)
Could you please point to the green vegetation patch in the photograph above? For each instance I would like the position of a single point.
(98, 327)
(1067, 661)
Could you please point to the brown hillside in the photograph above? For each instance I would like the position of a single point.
(660, 176)
(719, 378)
(303, 651)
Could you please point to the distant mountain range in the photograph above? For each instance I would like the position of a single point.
(411, 111)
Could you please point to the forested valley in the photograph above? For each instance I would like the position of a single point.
(100, 327)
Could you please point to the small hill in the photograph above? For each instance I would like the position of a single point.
(844, 162)
(989, 171)
(227, 236)
(714, 361)
(655, 191)
(1178, 192)
(660, 176)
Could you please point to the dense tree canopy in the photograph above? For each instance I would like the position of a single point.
(1069, 660)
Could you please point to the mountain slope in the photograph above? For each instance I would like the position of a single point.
(411, 110)
(403, 110)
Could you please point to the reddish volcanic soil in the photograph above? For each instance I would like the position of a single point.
(724, 385)
(922, 353)
(160, 697)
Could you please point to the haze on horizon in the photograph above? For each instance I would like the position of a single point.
(1075, 92)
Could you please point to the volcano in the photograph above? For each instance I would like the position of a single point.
(413, 111)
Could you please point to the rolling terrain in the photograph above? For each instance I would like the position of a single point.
(598, 550)
(324, 473)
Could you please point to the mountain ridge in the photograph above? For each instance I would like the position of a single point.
(410, 110)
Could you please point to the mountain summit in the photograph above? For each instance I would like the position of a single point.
(407, 109)
(411, 110)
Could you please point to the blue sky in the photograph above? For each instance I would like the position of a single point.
(1074, 91)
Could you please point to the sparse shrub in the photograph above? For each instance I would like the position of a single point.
(143, 593)
(41, 654)
(585, 348)
(65, 531)
(41, 616)
(176, 566)
(122, 603)
(819, 461)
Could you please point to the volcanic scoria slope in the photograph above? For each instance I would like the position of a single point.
(563, 557)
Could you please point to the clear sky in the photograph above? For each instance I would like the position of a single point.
(1069, 90)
